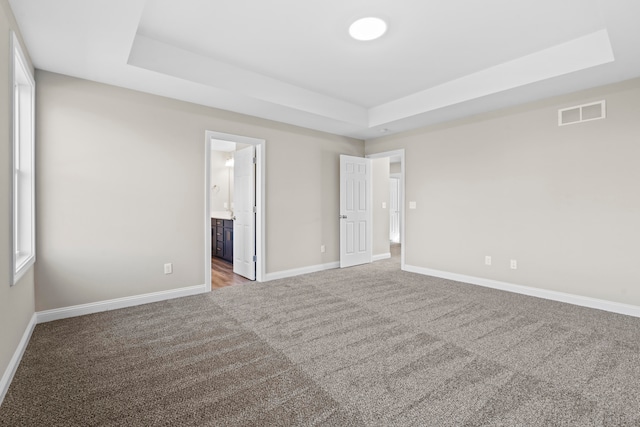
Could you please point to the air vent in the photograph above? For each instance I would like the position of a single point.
(582, 113)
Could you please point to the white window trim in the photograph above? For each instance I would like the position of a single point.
(23, 223)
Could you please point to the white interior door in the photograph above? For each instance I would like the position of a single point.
(355, 211)
(394, 210)
(244, 202)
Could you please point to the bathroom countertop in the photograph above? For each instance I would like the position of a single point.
(222, 215)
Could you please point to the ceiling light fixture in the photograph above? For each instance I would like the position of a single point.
(369, 28)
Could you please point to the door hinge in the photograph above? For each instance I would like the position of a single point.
(255, 209)
(255, 160)
(255, 258)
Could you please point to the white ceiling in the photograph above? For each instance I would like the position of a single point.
(293, 61)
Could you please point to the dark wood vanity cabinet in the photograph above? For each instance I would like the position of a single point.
(222, 238)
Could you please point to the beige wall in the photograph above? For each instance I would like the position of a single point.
(221, 182)
(16, 303)
(303, 198)
(562, 201)
(121, 191)
(395, 167)
(380, 186)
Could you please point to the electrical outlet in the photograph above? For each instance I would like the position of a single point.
(514, 264)
(322, 249)
(487, 260)
(168, 268)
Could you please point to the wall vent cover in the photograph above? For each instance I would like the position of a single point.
(582, 113)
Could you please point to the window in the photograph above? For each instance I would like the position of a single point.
(24, 249)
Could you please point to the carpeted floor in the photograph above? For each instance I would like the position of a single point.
(364, 346)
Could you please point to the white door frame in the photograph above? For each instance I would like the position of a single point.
(396, 176)
(395, 153)
(260, 145)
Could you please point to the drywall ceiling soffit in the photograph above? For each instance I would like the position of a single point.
(294, 62)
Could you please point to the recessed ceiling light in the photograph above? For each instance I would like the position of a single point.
(369, 28)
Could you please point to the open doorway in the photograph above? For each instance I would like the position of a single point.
(388, 197)
(234, 216)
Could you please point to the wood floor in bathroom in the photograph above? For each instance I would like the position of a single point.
(222, 274)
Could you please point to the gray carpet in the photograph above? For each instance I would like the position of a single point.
(364, 346)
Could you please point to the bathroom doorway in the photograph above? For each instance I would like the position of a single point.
(234, 214)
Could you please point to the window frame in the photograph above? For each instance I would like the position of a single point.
(23, 248)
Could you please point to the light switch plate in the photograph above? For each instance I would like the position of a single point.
(384, 205)
(412, 205)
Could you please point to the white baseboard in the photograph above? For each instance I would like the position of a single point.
(298, 271)
(381, 256)
(17, 357)
(96, 307)
(611, 306)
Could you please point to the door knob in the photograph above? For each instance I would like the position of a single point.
(342, 217)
